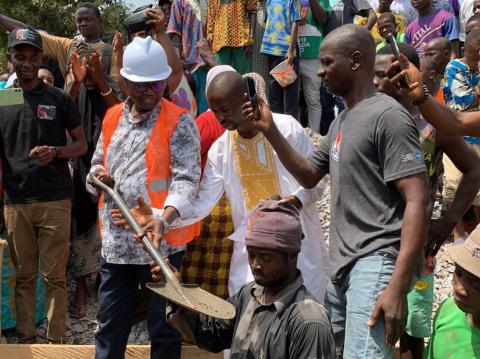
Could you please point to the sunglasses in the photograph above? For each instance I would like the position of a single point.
(157, 86)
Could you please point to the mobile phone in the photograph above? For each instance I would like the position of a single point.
(251, 92)
(396, 52)
(11, 97)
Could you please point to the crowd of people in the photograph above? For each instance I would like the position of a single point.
(222, 176)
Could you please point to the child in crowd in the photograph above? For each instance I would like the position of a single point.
(430, 24)
(461, 93)
(440, 51)
(185, 30)
(400, 22)
(456, 327)
(462, 77)
(472, 23)
(279, 44)
(387, 25)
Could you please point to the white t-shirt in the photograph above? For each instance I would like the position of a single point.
(466, 12)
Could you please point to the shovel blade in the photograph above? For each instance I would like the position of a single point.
(196, 299)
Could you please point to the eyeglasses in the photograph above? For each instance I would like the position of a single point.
(157, 86)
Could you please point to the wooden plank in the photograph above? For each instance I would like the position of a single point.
(45, 351)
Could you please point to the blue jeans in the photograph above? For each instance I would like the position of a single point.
(116, 298)
(351, 303)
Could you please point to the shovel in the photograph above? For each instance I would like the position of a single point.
(190, 296)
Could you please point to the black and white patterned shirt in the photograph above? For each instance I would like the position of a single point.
(126, 164)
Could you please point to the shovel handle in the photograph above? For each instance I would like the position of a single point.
(147, 244)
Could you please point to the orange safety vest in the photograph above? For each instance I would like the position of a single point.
(157, 159)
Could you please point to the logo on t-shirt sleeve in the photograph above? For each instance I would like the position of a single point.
(46, 112)
(335, 151)
(411, 156)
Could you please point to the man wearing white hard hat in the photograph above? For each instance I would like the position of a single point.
(148, 147)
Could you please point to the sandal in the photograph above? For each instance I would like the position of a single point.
(78, 311)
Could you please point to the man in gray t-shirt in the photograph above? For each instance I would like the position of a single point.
(379, 197)
(367, 148)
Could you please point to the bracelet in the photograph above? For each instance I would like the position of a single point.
(56, 152)
(106, 93)
(166, 225)
(424, 97)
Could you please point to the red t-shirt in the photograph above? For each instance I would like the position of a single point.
(209, 129)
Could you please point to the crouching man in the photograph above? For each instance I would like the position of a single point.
(276, 316)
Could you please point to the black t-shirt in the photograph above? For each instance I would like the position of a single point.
(41, 121)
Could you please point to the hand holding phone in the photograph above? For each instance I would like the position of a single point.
(11, 97)
(251, 91)
(396, 52)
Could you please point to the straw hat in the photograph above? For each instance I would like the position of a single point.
(467, 254)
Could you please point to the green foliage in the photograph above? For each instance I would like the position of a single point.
(56, 17)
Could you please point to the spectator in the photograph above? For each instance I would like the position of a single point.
(310, 36)
(472, 23)
(430, 24)
(231, 31)
(400, 22)
(37, 186)
(259, 60)
(433, 144)
(401, 7)
(456, 327)
(440, 50)
(185, 30)
(148, 147)
(301, 331)
(468, 8)
(166, 7)
(88, 21)
(461, 93)
(280, 43)
(93, 93)
(386, 150)
(387, 25)
(45, 74)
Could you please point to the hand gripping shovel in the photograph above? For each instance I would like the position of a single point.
(190, 296)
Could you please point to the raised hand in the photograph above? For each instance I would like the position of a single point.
(158, 21)
(79, 67)
(117, 43)
(415, 90)
(259, 115)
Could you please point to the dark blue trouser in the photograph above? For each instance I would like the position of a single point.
(116, 298)
(283, 99)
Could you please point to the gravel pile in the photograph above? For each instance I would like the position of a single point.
(81, 331)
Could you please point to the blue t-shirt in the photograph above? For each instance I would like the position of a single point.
(280, 15)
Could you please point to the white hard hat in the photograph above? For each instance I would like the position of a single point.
(144, 60)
